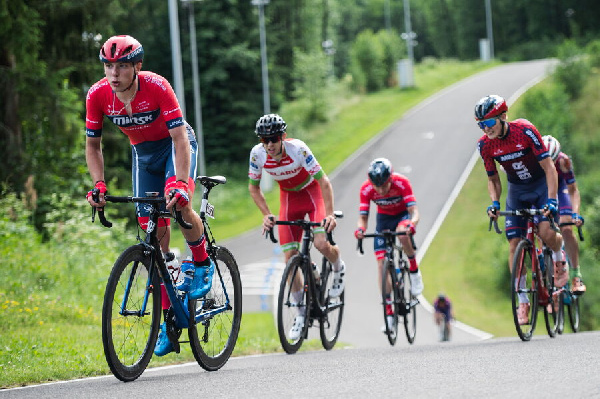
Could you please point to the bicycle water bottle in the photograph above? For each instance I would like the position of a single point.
(315, 271)
(173, 266)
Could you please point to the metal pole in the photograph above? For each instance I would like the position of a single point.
(197, 99)
(176, 54)
(388, 18)
(263, 54)
(490, 32)
(409, 32)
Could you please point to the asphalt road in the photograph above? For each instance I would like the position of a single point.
(435, 146)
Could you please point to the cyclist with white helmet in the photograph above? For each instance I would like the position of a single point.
(569, 201)
(396, 210)
(304, 190)
(143, 106)
(532, 180)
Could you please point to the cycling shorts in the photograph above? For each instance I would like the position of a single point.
(533, 195)
(564, 200)
(296, 205)
(153, 162)
(386, 222)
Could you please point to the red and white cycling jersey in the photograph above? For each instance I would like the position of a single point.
(295, 171)
(155, 109)
(396, 201)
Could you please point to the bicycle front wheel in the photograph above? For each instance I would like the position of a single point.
(216, 318)
(130, 320)
(409, 306)
(293, 304)
(551, 310)
(524, 291)
(573, 309)
(390, 300)
(331, 321)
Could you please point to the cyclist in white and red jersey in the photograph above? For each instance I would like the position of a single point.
(569, 201)
(144, 107)
(305, 190)
(397, 211)
(532, 180)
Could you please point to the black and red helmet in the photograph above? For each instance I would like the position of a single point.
(122, 48)
(489, 107)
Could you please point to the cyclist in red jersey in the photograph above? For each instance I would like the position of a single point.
(305, 190)
(396, 210)
(144, 107)
(532, 180)
(569, 201)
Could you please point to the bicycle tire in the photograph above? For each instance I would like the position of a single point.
(574, 316)
(389, 274)
(129, 339)
(523, 266)
(561, 314)
(213, 339)
(331, 321)
(295, 272)
(551, 315)
(410, 312)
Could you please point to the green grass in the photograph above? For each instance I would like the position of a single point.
(51, 292)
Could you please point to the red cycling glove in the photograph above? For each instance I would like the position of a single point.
(359, 230)
(100, 186)
(408, 226)
(179, 190)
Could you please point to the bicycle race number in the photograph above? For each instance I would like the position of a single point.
(210, 210)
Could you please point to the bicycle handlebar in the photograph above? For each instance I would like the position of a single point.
(579, 229)
(127, 199)
(384, 233)
(305, 225)
(521, 212)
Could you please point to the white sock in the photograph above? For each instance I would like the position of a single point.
(338, 265)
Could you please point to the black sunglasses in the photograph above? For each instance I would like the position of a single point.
(270, 139)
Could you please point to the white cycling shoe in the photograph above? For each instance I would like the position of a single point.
(337, 286)
(297, 328)
(416, 283)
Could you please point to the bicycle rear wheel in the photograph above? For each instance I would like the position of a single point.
(293, 301)
(409, 306)
(128, 332)
(551, 312)
(524, 284)
(389, 286)
(331, 321)
(573, 309)
(214, 336)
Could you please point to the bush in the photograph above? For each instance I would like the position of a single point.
(573, 70)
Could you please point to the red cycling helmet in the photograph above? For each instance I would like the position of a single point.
(490, 107)
(123, 48)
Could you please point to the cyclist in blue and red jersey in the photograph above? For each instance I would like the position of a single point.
(569, 201)
(144, 107)
(396, 210)
(532, 180)
(305, 190)
(443, 312)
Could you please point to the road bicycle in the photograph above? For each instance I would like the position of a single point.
(444, 329)
(131, 311)
(396, 275)
(569, 299)
(304, 291)
(532, 275)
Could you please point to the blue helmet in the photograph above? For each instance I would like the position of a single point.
(380, 171)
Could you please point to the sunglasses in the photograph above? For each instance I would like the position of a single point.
(487, 123)
(270, 139)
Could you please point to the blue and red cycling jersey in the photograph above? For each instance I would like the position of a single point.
(394, 202)
(519, 152)
(155, 109)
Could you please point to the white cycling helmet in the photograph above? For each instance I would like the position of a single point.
(552, 145)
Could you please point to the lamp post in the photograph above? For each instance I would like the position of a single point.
(176, 54)
(263, 53)
(488, 20)
(196, 84)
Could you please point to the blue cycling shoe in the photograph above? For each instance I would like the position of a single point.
(202, 280)
(163, 344)
(197, 279)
